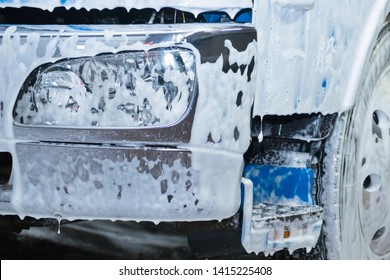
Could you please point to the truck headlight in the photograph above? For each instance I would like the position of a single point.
(128, 89)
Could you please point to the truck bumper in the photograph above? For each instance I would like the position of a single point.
(126, 183)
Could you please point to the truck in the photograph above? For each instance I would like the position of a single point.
(263, 120)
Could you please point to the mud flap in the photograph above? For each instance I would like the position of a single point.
(270, 227)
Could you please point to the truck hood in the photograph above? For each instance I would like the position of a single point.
(194, 6)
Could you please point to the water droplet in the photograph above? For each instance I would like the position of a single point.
(261, 136)
(59, 223)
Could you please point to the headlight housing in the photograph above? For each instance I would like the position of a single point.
(123, 90)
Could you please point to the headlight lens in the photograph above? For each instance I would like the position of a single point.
(131, 89)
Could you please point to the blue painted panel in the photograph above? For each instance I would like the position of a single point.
(213, 17)
(62, 2)
(67, 2)
(217, 17)
(84, 28)
(244, 17)
(275, 184)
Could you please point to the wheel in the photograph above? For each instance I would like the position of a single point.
(355, 187)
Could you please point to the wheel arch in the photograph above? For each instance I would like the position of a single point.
(379, 16)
